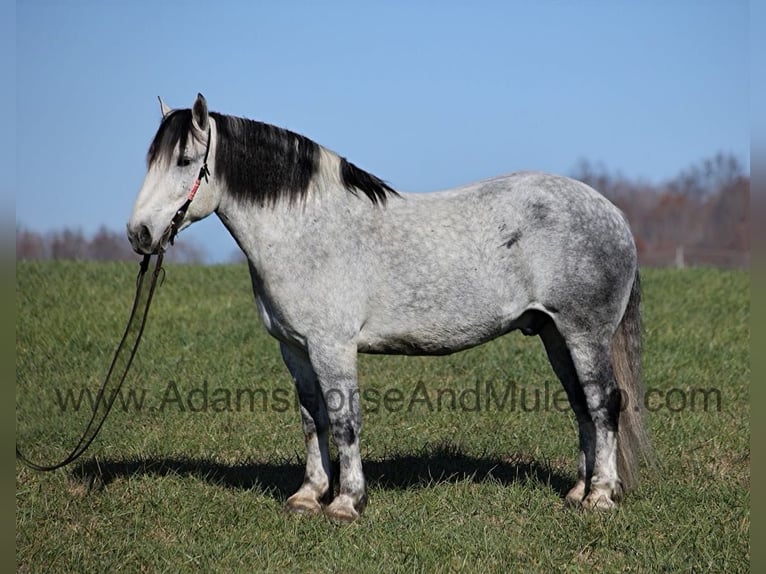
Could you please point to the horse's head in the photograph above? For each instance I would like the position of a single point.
(179, 149)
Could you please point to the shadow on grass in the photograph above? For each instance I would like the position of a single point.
(444, 464)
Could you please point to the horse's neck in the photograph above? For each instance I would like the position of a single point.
(269, 235)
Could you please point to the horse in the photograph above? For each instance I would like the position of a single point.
(341, 263)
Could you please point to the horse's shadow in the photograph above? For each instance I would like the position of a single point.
(280, 479)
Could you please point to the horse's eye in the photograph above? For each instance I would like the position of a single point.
(184, 161)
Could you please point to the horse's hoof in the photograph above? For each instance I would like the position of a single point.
(576, 494)
(342, 510)
(599, 500)
(342, 515)
(302, 505)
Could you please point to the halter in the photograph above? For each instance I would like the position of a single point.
(204, 172)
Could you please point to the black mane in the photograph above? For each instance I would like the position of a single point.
(262, 163)
(373, 187)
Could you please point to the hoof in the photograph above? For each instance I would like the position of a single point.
(342, 509)
(341, 514)
(603, 498)
(299, 503)
(595, 501)
(576, 495)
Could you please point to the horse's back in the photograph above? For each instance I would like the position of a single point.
(527, 223)
(458, 267)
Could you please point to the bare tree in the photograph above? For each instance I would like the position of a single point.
(704, 211)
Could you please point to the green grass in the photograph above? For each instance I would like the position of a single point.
(182, 490)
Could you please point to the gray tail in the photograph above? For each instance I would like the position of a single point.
(633, 443)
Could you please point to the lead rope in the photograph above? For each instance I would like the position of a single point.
(132, 335)
(130, 340)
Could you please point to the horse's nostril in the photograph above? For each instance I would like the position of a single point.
(144, 236)
(140, 238)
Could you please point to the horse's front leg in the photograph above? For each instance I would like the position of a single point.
(335, 367)
(316, 482)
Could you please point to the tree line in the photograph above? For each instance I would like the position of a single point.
(699, 217)
(103, 245)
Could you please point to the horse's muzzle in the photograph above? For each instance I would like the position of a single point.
(140, 237)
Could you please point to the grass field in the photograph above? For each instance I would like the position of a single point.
(191, 472)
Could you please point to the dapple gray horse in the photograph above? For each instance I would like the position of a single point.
(341, 263)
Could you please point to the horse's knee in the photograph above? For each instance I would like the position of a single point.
(345, 431)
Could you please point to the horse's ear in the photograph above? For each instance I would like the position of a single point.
(164, 108)
(199, 113)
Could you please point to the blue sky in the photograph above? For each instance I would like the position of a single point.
(427, 95)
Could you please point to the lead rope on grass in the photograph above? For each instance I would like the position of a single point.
(133, 331)
(116, 373)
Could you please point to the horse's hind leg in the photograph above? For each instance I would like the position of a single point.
(561, 361)
(592, 360)
(316, 482)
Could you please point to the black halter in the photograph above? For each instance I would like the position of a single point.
(204, 172)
